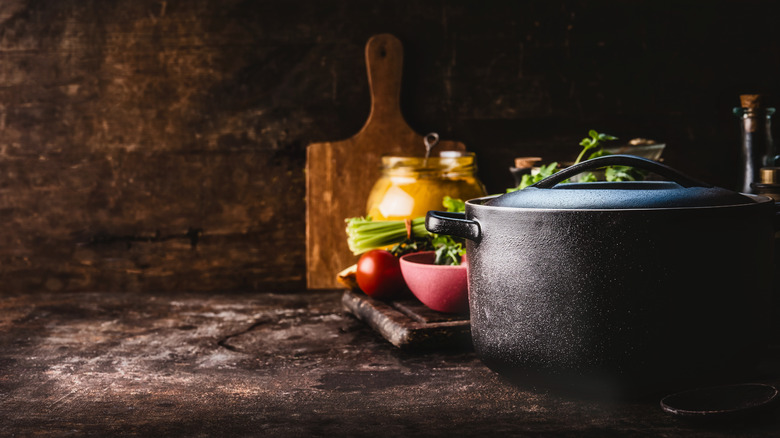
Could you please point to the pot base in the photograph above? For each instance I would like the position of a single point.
(605, 385)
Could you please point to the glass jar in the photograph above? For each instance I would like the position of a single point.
(769, 184)
(410, 186)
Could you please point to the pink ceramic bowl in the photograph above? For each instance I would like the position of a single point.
(441, 287)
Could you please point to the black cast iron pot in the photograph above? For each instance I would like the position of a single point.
(621, 288)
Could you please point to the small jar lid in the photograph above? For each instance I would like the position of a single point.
(526, 162)
(770, 175)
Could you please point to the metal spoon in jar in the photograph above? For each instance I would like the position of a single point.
(430, 141)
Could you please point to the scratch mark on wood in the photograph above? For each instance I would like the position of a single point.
(193, 234)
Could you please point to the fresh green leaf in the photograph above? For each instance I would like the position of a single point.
(623, 173)
(604, 137)
(594, 140)
(591, 148)
(449, 250)
(598, 153)
(410, 246)
(533, 178)
(454, 205)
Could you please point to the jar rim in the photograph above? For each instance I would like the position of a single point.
(744, 112)
(397, 163)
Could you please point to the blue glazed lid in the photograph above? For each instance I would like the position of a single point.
(680, 192)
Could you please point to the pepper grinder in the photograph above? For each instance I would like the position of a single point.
(757, 148)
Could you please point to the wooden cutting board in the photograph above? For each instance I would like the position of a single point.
(340, 174)
(409, 324)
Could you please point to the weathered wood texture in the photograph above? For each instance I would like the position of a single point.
(138, 152)
(158, 145)
(262, 364)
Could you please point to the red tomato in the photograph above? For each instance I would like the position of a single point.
(379, 274)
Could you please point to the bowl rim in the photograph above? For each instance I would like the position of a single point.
(425, 255)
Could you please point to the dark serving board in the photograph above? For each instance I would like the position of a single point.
(409, 324)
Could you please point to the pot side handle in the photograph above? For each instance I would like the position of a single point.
(621, 160)
(453, 224)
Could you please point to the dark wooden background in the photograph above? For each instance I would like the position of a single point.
(159, 145)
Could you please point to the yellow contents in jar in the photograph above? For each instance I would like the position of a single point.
(411, 186)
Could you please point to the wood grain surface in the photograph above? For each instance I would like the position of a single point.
(156, 145)
(108, 364)
(340, 174)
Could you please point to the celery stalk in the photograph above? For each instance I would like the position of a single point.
(364, 234)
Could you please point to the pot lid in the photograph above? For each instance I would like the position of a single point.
(680, 191)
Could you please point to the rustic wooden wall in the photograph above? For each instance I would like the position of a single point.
(156, 145)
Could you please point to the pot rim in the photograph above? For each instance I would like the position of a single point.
(758, 200)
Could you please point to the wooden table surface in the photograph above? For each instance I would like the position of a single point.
(270, 364)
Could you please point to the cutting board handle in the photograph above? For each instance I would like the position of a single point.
(384, 62)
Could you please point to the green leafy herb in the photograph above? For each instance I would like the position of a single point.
(592, 147)
(611, 173)
(624, 173)
(529, 179)
(411, 245)
(454, 205)
(449, 250)
(364, 234)
(587, 177)
(591, 142)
